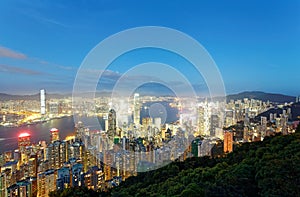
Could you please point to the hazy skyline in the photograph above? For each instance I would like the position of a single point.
(255, 44)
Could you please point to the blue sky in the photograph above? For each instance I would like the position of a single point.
(256, 44)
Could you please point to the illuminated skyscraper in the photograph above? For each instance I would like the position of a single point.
(214, 124)
(54, 135)
(46, 183)
(107, 164)
(23, 142)
(136, 109)
(228, 141)
(112, 123)
(43, 101)
(203, 119)
(3, 180)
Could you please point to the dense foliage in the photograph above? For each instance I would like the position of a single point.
(268, 168)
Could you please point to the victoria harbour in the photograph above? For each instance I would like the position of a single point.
(38, 132)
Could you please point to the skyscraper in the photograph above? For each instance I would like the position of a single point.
(112, 123)
(23, 142)
(43, 101)
(228, 141)
(54, 135)
(136, 109)
(46, 182)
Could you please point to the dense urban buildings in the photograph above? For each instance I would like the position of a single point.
(132, 141)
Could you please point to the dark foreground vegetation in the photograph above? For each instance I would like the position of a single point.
(267, 168)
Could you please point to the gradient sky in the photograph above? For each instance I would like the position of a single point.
(256, 44)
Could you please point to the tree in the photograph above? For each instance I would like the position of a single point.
(298, 128)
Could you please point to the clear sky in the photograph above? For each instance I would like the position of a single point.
(256, 44)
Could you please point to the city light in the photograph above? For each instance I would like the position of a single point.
(25, 134)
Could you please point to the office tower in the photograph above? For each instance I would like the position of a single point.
(23, 142)
(157, 122)
(112, 123)
(43, 101)
(46, 183)
(228, 141)
(54, 135)
(136, 109)
(214, 124)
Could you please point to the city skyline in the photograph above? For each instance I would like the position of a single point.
(254, 44)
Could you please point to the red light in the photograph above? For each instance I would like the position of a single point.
(24, 135)
(54, 130)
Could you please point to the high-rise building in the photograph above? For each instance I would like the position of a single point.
(147, 122)
(112, 123)
(46, 183)
(63, 178)
(77, 175)
(43, 101)
(229, 117)
(136, 109)
(93, 178)
(23, 142)
(32, 164)
(196, 147)
(228, 141)
(21, 188)
(108, 161)
(57, 154)
(54, 135)
(215, 120)
(157, 122)
(3, 186)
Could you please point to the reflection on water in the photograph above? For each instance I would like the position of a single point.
(41, 131)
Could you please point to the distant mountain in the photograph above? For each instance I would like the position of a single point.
(6, 97)
(277, 98)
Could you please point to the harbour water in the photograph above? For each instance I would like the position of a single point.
(41, 131)
(38, 132)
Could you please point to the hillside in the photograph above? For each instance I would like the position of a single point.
(268, 168)
(6, 97)
(277, 98)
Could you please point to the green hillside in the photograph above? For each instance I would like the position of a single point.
(268, 168)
